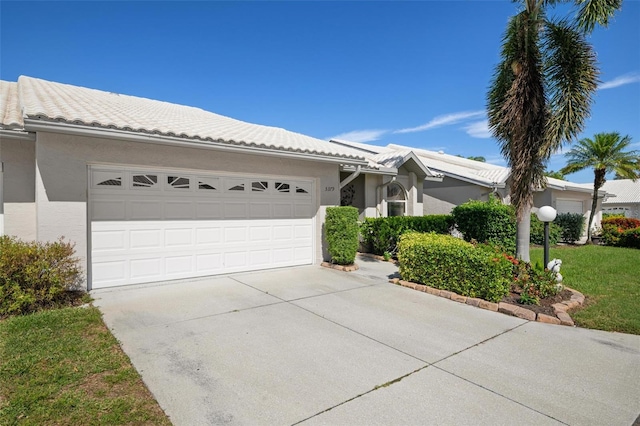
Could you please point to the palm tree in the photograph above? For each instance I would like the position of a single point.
(605, 153)
(541, 93)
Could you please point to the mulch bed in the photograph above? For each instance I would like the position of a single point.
(545, 306)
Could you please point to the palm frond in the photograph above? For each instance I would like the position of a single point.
(517, 106)
(595, 12)
(606, 152)
(571, 74)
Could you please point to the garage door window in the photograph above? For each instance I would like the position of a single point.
(145, 181)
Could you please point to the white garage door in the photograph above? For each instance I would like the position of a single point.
(569, 206)
(150, 225)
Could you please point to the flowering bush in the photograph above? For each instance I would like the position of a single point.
(630, 238)
(613, 229)
(532, 283)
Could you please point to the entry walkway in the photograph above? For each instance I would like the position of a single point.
(315, 346)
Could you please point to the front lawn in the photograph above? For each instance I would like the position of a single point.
(610, 279)
(64, 367)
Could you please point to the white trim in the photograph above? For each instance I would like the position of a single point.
(17, 134)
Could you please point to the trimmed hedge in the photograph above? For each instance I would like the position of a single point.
(487, 222)
(381, 234)
(630, 238)
(449, 263)
(36, 275)
(572, 226)
(537, 232)
(341, 227)
(613, 229)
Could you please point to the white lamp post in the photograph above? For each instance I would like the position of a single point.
(546, 214)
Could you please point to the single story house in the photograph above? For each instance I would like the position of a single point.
(152, 191)
(623, 197)
(462, 179)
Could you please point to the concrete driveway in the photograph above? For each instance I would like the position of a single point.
(315, 346)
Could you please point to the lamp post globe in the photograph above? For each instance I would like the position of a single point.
(546, 214)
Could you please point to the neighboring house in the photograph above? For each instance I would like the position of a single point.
(152, 191)
(463, 180)
(623, 197)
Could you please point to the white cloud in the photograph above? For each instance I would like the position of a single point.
(620, 81)
(360, 135)
(478, 129)
(497, 160)
(443, 120)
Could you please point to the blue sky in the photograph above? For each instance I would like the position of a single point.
(411, 73)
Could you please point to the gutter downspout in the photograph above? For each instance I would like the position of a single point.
(351, 177)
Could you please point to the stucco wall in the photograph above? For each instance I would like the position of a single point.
(442, 197)
(626, 209)
(61, 178)
(18, 158)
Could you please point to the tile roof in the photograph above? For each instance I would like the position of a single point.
(484, 174)
(47, 101)
(10, 116)
(625, 191)
(478, 172)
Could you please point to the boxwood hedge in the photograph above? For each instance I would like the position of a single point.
(449, 263)
(341, 228)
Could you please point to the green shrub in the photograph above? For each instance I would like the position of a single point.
(537, 232)
(630, 238)
(487, 222)
(341, 227)
(35, 275)
(449, 263)
(572, 226)
(381, 234)
(614, 227)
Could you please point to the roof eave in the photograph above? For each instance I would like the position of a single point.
(17, 134)
(485, 184)
(391, 171)
(34, 125)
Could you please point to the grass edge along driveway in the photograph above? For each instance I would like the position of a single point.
(64, 367)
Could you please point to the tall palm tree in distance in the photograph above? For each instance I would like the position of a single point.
(541, 93)
(605, 153)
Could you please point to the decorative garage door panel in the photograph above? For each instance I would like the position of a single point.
(151, 226)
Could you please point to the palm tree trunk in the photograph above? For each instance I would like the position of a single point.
(598, 181)
(523, 235)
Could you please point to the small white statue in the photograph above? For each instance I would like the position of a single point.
(554, 266)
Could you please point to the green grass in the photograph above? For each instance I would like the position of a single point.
(64, 367)
(610, 279)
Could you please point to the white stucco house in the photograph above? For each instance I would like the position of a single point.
(152, 191)
(623, 197)
(461, 180)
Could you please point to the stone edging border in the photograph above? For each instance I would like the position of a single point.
(345, 268)
(560, 309)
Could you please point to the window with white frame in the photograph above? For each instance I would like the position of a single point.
(396, 200)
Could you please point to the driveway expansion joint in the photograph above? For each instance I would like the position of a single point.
(375, 388)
